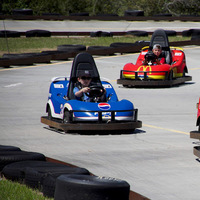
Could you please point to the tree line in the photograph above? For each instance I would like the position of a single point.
(97, 7)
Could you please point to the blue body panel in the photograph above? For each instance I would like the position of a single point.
(87, 111)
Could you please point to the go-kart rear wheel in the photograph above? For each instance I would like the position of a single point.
(49, 113)
(171, 75)
(67, 117)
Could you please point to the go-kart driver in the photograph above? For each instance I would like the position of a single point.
(83, 87)
(155, 56)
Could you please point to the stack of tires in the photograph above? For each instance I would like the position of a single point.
(56, 180)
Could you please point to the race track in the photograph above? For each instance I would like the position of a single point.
(157, 160)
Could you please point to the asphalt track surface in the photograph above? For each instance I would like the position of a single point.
(85, 26)
(156, 160)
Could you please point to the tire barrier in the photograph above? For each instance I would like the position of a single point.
(70, 51)
(38, 33)
(61, 180)
(84, 187)
(7, 157)
(7, 33)
(9, 148)
(24, 14)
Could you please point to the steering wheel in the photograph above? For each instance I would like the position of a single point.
(150, 56)
(95, 91)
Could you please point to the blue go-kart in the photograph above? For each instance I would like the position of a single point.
(66, 113)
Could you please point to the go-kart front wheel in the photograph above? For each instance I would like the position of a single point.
(67, 117)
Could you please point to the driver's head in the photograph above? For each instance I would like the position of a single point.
(157, 49)
(84, 77)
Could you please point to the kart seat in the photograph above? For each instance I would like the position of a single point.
(160, 37)
(83, 61)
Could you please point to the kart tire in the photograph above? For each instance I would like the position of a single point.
(38, 33)
(84, 187)
(171, 75)
(71, 48)
(67, 117)
(9, 148)
(49, 182)
(22, 12)
(7, 157)
(34, 178)
(4, 34)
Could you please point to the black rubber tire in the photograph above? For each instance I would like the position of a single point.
(187, 33)
(163, 15)
(170, 77)
(142, 43)
(105, 50)
(134, 13)
(49, 182)
(137, 33)
(34, 177)
(121, 44)
(71, 48)
(90, 48)
(95, 34)
(79, 14)
(8, 33)
(38, 33)
(9, 148)
(170, 32)
(16, 171)
(67, 117)
(106, 34)
(22, 12)
(7, 157)
(84, 187)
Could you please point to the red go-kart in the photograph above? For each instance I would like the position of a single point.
(172, 72)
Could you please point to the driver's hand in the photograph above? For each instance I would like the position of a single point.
(85, 89)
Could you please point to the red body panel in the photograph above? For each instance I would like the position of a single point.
(156, 71)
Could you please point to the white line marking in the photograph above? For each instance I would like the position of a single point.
(13, 85)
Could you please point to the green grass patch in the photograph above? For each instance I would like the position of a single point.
(15, 191)
(24, 45)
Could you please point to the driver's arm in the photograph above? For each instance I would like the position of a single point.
(81, 91)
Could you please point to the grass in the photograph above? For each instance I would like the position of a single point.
(15, 191)
(31, 45)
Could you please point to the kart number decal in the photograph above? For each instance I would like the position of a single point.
(104, 106)
(178, 54)
(58, 86)
(107, 86)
